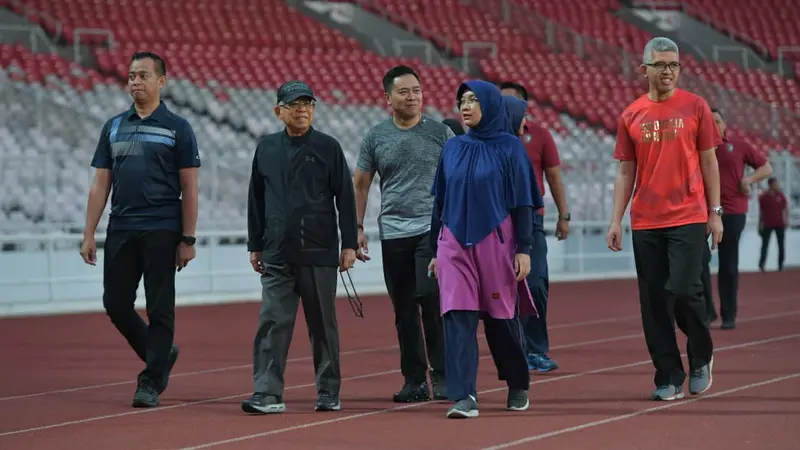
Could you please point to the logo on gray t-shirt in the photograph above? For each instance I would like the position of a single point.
(405, 161)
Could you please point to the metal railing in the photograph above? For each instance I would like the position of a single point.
(80, 33)
(783, 61)
(36, 38)
(39, 17)
(476, 50)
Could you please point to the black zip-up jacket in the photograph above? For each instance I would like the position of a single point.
(296, 187)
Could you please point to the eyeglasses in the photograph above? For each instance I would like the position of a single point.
(662, 66)
(299, 104)
(468, 101)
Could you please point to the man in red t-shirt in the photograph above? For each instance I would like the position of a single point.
(543, 154)
(773, 216)
(665, 145)
(732, 156)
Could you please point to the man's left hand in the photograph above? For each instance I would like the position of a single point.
(184, 254)
(562, 229)
(715, 228)
(347, 259)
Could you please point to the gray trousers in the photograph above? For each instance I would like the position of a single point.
(282, 288)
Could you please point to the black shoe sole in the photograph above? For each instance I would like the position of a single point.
(414, 399)
(328, 408)
(138, 403)
(249, 408)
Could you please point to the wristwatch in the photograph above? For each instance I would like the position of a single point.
(717, 210)
(565, 217)
(188, 240)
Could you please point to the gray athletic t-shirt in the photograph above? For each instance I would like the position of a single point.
(405, 161)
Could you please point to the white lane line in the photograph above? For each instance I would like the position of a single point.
(292, 360)
(641, 412)
(488, 391)
(345, 353)
(388, 372)
(230, 397)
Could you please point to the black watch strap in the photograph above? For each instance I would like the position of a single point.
(188, 240)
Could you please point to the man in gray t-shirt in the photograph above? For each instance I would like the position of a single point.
(404, 151)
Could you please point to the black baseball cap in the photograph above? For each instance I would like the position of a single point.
(292, 90)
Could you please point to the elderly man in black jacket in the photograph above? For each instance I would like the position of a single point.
(300, 179)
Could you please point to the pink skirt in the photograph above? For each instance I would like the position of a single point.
(482, 277)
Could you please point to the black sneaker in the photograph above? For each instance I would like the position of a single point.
(412, 392)
(261, 403)
(439, 386)
(517, 400)
(146, 396)
(328, 402)
(173, 357)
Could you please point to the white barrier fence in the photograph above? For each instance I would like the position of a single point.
(47, 276)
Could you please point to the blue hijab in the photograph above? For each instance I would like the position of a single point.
(515, 113)
(484, 174)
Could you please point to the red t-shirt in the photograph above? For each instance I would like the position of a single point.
(772, 205)
(542, 152)
(732, 156)
(665, 139)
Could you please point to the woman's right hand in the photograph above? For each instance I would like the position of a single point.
(432, 269)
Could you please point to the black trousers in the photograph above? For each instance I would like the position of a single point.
(728, 275)
(669, 264)
(405, 269)
(766, 235)
(283, 286)
(129, 255)
(535, 328)
(462, 355)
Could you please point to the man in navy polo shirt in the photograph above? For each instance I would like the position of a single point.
(149, 156)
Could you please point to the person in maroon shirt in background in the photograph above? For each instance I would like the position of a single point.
(732, 156)
(543, 154)
(773, 216)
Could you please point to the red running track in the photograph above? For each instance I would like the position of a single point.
(67, 383)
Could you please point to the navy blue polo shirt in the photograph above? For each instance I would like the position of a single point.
(144, 157)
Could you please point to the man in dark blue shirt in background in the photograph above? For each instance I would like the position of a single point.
(150, 157)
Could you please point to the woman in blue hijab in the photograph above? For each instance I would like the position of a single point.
(481, 234)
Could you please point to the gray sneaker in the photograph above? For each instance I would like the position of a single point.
(700, 378)
(667, 393)
(517, 400)
(464, 409)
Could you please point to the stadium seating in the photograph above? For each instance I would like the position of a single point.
(224, 71)
(593, 85)
(30, 136)
(236, 28)
(769, 24)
